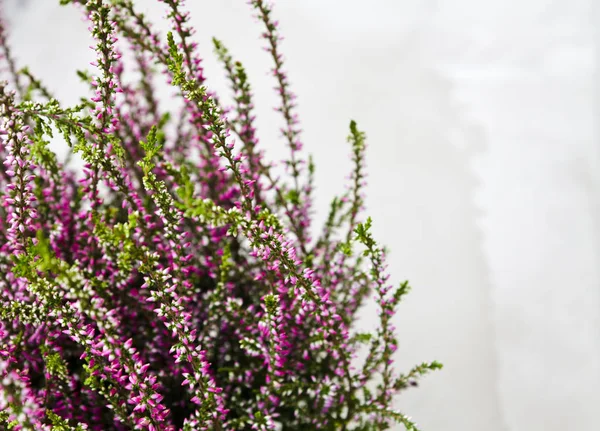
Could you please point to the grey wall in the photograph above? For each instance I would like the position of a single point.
(483, 163)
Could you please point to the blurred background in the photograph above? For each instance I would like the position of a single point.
(484, 176)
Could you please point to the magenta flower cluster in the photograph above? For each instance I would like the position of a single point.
(174, 282)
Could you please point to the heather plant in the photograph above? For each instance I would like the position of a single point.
(172, 282)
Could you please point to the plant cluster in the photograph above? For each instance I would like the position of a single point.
(172, 282)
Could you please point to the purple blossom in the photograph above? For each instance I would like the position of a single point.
(172, 282)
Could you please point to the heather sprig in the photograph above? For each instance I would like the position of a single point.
(300, 194)
(171, 283)
(7, 57)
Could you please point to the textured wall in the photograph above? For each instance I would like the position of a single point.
(483, 164)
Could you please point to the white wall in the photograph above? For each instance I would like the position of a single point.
(484, 177)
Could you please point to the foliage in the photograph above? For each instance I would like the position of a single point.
(172, 282)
